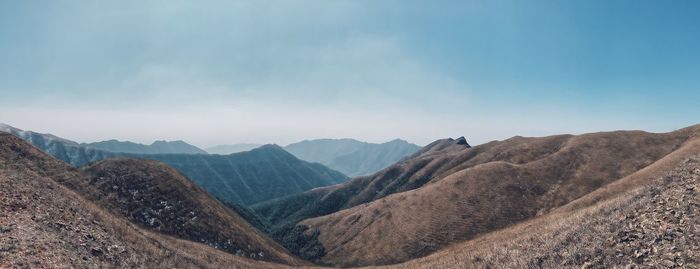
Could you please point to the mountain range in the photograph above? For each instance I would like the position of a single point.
(351, 157)
(63, 149)
(623, 199)
(249, 177)
(117, 214)
(157, 147)
(348, 156)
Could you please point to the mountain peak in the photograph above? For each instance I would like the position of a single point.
(271, 146)
(397, 140)
(462, 141)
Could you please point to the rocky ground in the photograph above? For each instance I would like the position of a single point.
(664, 232)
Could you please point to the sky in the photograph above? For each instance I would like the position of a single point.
(224, 72)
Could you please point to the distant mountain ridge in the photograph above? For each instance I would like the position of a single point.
(62, 149)
(352, 157)
(265, 173)
(157, 147)
(249, 177)
(233, 148)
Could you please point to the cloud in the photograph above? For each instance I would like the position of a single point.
(279, 71)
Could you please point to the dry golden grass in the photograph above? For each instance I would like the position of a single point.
(597, 200)
(650, 219)
(486, 188)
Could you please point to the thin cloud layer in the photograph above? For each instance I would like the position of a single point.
(280, 71)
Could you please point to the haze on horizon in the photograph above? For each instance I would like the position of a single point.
(282, 71)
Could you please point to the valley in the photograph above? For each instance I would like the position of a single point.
(457, 205)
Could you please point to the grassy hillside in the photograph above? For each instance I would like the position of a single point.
(449, 193)
(650, 219)
(43, 224)
(157, 197)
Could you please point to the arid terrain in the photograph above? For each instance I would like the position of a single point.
(452, 193)
(600, 200)
(46, 224)
(649, 219)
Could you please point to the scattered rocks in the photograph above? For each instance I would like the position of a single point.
(659, 233)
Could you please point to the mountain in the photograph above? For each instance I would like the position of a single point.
(154, 195)
(450, 192)
(265, 173)
(249, 177)
(625, 199)
(44, 224)
(157, 147)
(648, 219)
(406, 175)
(352, 157)
(63, 149)
(229, 149)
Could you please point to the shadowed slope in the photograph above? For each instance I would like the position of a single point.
(249, 177)
(44, 224)
(156, 196)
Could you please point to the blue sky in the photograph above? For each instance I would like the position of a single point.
(281, 71)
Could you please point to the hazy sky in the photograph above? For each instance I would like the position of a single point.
(216, 72)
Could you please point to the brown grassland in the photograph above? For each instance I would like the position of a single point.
(486, 188)
(621, 199)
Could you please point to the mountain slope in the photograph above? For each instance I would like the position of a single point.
(449, 192)
(230, 149)
(63, 149)
(157, 147)
(352, 157)
(650, 219)
(247, 177)
(43, 224)
(406, 175)
(156, 196)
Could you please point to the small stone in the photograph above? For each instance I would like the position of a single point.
(96, 251)
(668, 263)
